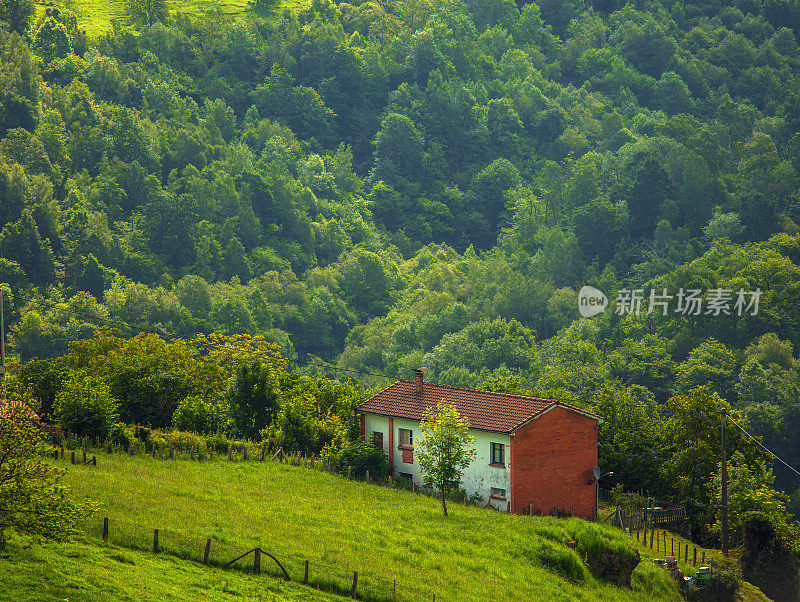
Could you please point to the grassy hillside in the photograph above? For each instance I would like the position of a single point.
(85, 570)
(340, 527)
(95, 15)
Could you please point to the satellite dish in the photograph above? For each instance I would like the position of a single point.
(596, 471)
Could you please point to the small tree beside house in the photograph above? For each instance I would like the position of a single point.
(445, 448)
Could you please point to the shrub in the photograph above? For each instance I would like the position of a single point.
(122, 435)
(363, 457)
(767, 559)
(724, 587)
(86, 407)
(561, 560)
(608, 559)
(218, 442)
(185, 441)
(198, 415)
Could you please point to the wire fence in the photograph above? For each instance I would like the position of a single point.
(318, 573)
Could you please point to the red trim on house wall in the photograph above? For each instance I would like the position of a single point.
(391, 445)
(408, 455)
(363, 427)
(551, 462)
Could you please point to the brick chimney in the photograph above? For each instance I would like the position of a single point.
(420, 372)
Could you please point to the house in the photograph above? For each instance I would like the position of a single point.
(532, 453)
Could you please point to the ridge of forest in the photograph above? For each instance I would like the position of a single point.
(391, 184)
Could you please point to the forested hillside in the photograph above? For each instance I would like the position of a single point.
(393, 184)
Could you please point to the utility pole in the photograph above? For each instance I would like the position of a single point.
(723, 420)
(2, 349)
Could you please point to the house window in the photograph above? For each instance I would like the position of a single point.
(498, 494)
(377, 439)
(498, 454)
(406, 438)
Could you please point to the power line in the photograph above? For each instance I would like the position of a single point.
(757, 442)
(123, 324)
(109, 321)
(332, 367)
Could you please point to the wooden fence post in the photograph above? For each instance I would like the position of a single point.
(257, 561)
(530, 509)
(155, 541)
(171, 450)
(105, 529)
(305, 574)
(263, 451)
(652, 533)
(349, 472)
(207, 551)
(572, 511)
(694, 557)
(72, 457)
(703, 561)
(191, 454)
(367, 476)
(245, 453)
(84, 457)
(355, 582)
(94, 460)
(686, 553)
(154, 450)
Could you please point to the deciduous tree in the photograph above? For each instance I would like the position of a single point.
(444, 448)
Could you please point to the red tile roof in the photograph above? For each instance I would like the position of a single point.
(485, 410)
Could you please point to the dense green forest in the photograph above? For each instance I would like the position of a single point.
(383, 185)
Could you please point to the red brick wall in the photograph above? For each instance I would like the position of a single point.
(551, 460)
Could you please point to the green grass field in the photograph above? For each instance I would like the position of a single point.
(389, 536)
(84, 570)
(95, 15)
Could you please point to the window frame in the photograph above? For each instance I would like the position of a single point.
(492, 457)
(377, 436)
(400, 444)
(501, 495)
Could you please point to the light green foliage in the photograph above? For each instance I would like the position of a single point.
(748, 491)
(199, 415)
(31, 500)
(387, 185)
(147, 12)
(85, 406)
(444, 448)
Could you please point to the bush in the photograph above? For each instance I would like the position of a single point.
(767, 560)
(724, 587)
(218, 442)
(559, 559)
(121, 435)
(198, 415)
(608, 559)
(363, 457)
(86, 407)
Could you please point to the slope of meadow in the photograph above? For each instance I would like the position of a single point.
(389, 536)
(95, 15)
(88, 570)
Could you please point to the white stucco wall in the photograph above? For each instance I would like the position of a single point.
(478, 477)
